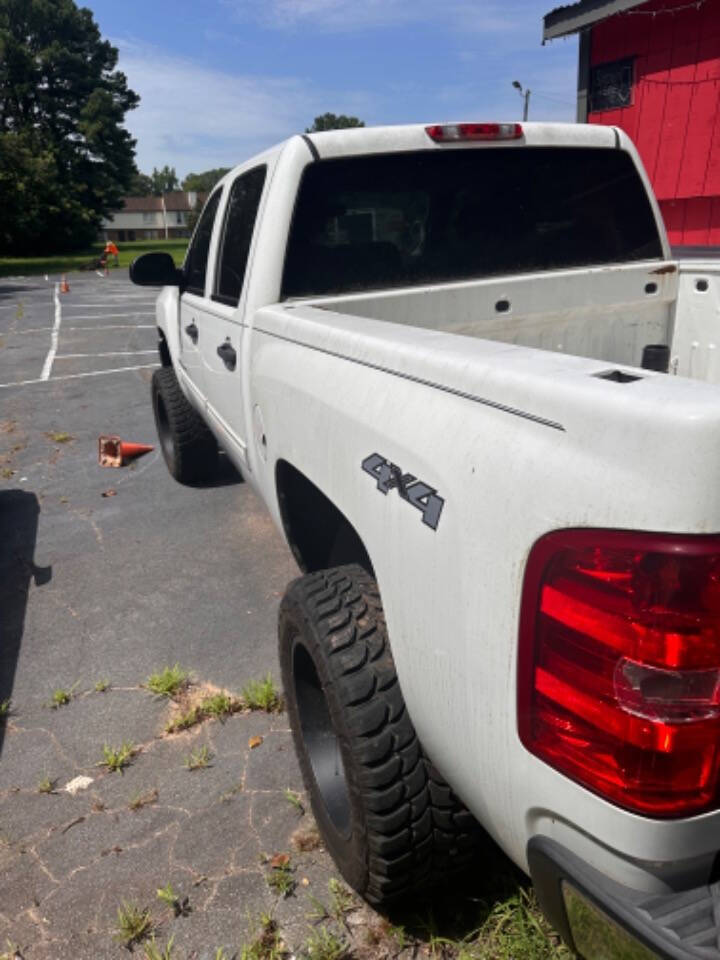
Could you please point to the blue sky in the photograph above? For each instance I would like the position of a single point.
(222, 79)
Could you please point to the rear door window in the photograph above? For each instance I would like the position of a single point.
(240, 219)
(434, 216)
(197, 255)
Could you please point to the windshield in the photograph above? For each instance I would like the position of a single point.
(435, 216)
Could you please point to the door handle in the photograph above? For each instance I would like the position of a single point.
(192, 331)
(227, 354)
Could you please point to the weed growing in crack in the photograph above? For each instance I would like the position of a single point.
(4, 710)
(133, 925)
(267, 945)
(46, 785)
(262, 695)
(12, 951)
(180, 905)
(60, 436)
(199, 759)
(183, 721)
(341, 900)
(219, 705)
(168, 682)
(102, 685)
(294, 800)
(232, 792)
(61, 697)
(280, 878)
(222, 954)
(323, 944)
(140, 800)
(153, 952)
(117, 758)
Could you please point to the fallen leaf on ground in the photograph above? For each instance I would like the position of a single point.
(109, 493)
(254, 742)
(280, 860)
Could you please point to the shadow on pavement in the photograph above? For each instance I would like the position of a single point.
(19, 512)
(226, 475)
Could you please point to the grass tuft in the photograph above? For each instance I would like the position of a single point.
(140, 800)
(12, 951)
(295, 800)
(60, 436)
(199, 759)
(183, 721)
(61, 697)
(280, 877)
(153, 952)
(341, 900)
(219, 705)
(169, 681)
(5, 707)
(323, 944)
(267, 945)
(46, 785)
(117, 758)
(262, 695)
(102, 685)
(133, 924)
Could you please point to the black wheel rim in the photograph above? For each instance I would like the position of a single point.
(320, 740)
(163, 428)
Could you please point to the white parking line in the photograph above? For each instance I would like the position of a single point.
(113, 316)
(77, 376)
(114, 353)
(109, 326)
(47, 366)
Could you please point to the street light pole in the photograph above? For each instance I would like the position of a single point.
(525, 94)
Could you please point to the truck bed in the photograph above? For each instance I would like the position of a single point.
(606, 313)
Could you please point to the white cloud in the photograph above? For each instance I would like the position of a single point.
(194, 117)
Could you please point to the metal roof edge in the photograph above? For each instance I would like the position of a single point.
(577, 16)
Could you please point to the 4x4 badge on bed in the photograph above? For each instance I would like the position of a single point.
(389, 476)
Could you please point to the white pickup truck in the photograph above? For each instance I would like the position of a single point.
(460, 367)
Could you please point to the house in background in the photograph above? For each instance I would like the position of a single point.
(653, 69)
(153, 218)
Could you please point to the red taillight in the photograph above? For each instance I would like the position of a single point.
(453, 132)
(619, 669)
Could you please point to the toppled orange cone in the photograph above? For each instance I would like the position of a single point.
(114, 452)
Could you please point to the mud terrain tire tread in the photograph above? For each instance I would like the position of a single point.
(188, 447)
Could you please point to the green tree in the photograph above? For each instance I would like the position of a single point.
(66, 159)
(141, 185)
(164, 181)
(332, 121)
(204, 182)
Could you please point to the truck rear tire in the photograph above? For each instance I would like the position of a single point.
(189, 449)
(362, 763)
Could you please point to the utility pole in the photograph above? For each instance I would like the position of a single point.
(525, 94)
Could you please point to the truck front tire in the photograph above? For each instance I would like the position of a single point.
(189, 449)
(370, 786)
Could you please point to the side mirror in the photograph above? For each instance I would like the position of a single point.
(155, 270)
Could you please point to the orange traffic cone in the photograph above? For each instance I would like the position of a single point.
(114, 452)
(64, 285)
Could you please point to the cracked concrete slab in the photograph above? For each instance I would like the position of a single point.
(112, 589)
(97, 588)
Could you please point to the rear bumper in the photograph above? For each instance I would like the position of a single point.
(603, 920)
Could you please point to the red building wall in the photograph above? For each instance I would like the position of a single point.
(674, 115)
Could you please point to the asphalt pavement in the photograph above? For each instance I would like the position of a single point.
(105, 577)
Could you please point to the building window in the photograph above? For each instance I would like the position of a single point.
(148, 218)
(611, 85)
(180, 216)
